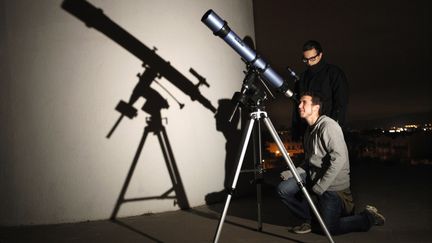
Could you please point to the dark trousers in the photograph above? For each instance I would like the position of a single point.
(329, 205)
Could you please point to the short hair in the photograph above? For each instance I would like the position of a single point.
(316, 99)
(312, 44)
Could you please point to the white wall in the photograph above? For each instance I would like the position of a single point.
(60, 82)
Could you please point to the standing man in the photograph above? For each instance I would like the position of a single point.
(326, 79)
(326, 175)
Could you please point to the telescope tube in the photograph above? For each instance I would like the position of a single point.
(220, 28)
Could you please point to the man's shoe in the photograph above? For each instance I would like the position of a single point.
(302, 229)
(378, 219)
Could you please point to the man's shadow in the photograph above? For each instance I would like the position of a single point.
(232, 134)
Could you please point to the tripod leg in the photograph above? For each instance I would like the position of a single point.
(296, 175)
(129, 175)
(245, 139)
(259, 203)
(173, 170)
(258, 173)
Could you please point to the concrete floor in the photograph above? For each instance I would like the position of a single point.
(402, 193)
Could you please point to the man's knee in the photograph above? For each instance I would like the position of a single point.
(280, 190)
(286, 189)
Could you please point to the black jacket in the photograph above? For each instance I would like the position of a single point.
(331, 83)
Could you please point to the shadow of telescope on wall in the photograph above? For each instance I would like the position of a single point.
(154, 67)
(94, 18)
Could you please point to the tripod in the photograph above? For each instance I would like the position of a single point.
(153, 106)
(257, 114)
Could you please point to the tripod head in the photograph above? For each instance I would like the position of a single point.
(251, 94)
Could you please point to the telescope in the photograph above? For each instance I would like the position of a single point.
(220, 28)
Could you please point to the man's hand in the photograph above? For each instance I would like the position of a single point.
(285, 175)
(317, 190)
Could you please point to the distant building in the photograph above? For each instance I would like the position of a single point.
(408, 144)
(387, 148)
(411, 144)
(273, 157)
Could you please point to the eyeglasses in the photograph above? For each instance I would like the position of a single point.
(306, 60)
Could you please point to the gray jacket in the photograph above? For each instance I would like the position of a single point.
(326, 156)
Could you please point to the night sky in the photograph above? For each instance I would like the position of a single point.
(383, 47)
